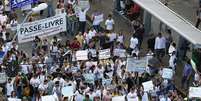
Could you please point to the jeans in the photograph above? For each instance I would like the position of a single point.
(50, 11)
(97, 28)
(82, 26)
(185, 82)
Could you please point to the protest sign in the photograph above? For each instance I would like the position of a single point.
(104, 54)
(89, 78)
(20, 3)
(14, 99)
(167, 73)
(195, 92)
(83, 4)
(106, 82)
(98, 18)
(120, 52)
(148, 86)
(118, 98)
(67, 91)
(82, 55)
(48, 98)
(136, 65)
(41, 28)
(3, 78)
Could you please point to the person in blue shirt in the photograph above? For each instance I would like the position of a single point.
(187, 71)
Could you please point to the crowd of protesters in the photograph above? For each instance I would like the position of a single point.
(54, 65)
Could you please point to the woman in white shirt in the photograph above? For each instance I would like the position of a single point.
(132, 95)
(109, 23)
(9, 87)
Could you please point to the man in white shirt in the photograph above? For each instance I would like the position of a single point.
(82, 19)
(134, 44)
(109, 23)
(160, 45)
(9, 87)
(132, 95)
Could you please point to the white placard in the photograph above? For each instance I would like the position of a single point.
(118, 98)
(195, 92)
(167, 73)
(82, 55)
(41, 28)
(13, 99)
(67, 91)
(148, 86)
(104, 54)
(3, 77)
(136, 65)
(120, 52)
(48, 98)
(98, 19)
(83, 4)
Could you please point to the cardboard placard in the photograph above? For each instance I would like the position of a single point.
(104, 54)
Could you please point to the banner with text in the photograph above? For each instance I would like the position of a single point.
(20, 3)
(41, 28)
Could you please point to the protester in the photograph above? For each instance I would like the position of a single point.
(101, 71)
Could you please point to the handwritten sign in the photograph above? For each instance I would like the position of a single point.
(118, 98)
(3, 77)
(120, 52)
(148, 86)
(67, 91)
(104, 54)
(82, 55)
(136, 65)
(167, 73)
(194, 92)
(48, 98)
(83, 4)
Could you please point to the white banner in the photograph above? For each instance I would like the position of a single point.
(41, 28)
(82, 55)
(104, 54)
(194, 92)
(148, 86)
(167, 73)
(136, 65)
(120, 52)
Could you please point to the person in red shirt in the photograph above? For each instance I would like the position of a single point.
(134, 12)
(75, 45)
